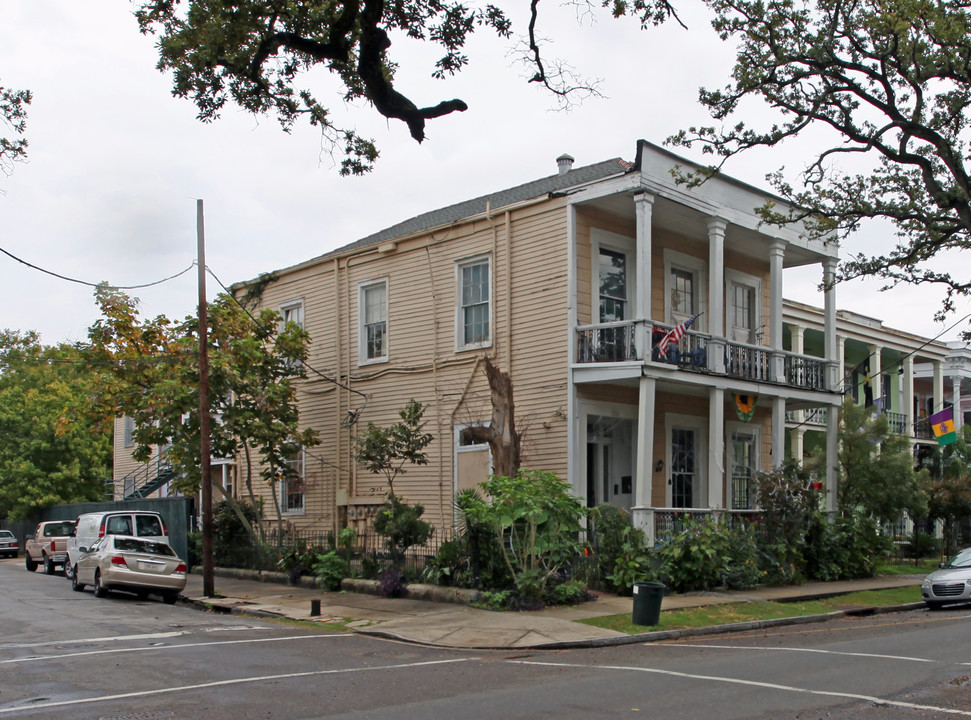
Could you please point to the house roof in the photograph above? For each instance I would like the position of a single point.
(493, 201)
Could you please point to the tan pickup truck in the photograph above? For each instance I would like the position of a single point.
(48, 545)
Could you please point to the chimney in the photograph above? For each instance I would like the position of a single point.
(564, 163)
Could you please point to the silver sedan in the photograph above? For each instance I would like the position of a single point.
(130, 564)
(950, 584)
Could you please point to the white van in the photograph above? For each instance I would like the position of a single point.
(91, 526)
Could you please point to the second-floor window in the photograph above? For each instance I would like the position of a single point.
(373, 311)
(292, 312)
(613, 285)
(684, 298)
(475, 310)
(129, 431)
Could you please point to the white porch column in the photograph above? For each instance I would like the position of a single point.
(832, 453)
(956, 401)
(841, 365)
(908, 396)
(644, 477)
(798, 444)
(644, 206)
(776, 255)
(716, 276)
(876, 372)
(778, 431)
(938, 386)
(798, 333)
(832, 353)
(716, 448)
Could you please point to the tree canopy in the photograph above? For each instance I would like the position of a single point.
(261, 55)
(55, 444)
(13, 115)
(890, 84)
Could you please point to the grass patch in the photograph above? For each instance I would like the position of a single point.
(910, 567)
(727, 613)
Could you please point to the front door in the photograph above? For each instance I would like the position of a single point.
(610, 461)
(684, 469)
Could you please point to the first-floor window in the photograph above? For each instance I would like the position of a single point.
(292, 488)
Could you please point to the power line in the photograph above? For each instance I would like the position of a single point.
(94, 285)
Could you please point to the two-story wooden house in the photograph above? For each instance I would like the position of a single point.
(567, 283)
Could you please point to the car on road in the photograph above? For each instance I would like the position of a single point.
(950, 584)
(48, 545)
(130, 564)
(9, 546)
(92, 526)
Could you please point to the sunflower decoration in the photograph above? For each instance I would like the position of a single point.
(745, 406)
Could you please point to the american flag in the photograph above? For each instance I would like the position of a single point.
(674, 335)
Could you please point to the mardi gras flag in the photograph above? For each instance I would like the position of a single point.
(942, 423)
(745, 406)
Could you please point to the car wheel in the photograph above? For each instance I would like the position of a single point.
(75, 584)
(68, 570)
(48, 565)
(170, 598)
(99, 589)
(30, 564)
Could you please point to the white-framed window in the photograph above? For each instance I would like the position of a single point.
(474, 319)
(684, 289)
(613, 261)
(373, 322)
(128, 432)
(743, 303)
(292, 311)
(292, 490)
(743, 463)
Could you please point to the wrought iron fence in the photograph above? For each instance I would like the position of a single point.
(804, 372)
(609, 342)
(669, 522)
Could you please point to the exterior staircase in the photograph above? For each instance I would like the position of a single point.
(145, 480)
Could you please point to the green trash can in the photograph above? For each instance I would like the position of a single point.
(647, 603)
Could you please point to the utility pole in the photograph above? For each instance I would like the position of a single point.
(208, 581)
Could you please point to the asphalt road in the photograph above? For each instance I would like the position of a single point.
(69, 655)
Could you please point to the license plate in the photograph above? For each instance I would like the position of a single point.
(149, 566)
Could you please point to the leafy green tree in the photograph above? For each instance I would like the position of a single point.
(949, 489)
(259, 54)
(386, 451)
(153, 377)
(882, 85)
(876, 468)
(13, 114)
(55, 443)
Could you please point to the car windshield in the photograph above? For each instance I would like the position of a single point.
(143, 546)
(59, 529)
(6, 534)
(961, 560)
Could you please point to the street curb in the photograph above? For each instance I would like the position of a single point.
(657, 635)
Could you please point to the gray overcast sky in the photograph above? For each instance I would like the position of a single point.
(116, 162)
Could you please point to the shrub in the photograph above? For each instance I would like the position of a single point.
(743, 570)
(696, 558)
(536, 522)
(331, 568)
(622, 558)
(844, 548)
(403, 527)
(391, 583)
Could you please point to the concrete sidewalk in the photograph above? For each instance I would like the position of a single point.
(447, 624)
